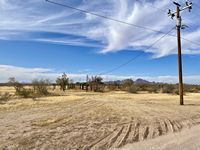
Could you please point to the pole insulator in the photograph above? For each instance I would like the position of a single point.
(179, 22)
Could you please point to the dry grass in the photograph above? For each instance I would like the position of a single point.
(80, 120)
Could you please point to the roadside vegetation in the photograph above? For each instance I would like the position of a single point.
(44, 87)
(4, 97)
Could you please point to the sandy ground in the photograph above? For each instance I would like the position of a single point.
(96, 121)
(188, 139)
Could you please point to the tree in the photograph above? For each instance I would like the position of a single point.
(127, 83)
(63, 81)
(13, 82)
(95, 83)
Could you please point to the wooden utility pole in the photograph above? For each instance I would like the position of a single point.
(179, 26)
(179, 56)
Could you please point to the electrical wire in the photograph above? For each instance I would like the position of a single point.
(119, 21)
(105, 17)
(137, 56)
(123, 22)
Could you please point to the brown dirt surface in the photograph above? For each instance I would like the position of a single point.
(96, 121)
(188, 139)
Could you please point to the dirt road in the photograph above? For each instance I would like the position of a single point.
(82, 120)
(188, 139)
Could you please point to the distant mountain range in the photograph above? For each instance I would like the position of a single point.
(138, 81)
(142, 81)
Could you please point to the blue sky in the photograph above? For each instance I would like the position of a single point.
(41, 40)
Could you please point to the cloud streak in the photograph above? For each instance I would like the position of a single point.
(19, 19)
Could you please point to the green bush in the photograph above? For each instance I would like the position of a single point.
(168, 88)
(191, 88)
(25, 93)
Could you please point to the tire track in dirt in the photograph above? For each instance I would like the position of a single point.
(121, 136)
(107, 142)
(125, 133)
(121, 140)
(134, 132)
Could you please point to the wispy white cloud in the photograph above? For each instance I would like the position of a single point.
(25, 74)
(20, 18)
(28, 74)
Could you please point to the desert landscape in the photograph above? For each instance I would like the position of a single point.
(99, 75)
(96, 121)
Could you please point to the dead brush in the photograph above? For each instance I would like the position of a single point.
(5, 97)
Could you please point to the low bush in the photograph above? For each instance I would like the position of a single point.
(4, 97)
(25, 93)
(153, 89)
(133, 89)
(112, 87)
(126, 84)
(168, 88)
(171, 89)
(176, 91)
(192, 88)
(41, 87)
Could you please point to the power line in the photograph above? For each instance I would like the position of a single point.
(119, 21)
(193, 42)
(162, 10)
(105, 17)
(137, 56)
(123, 22)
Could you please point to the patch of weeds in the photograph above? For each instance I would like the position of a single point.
(5, 97)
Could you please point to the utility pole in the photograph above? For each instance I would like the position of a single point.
(180, 26)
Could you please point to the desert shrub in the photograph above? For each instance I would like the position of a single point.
(168, 88)
(192, 88)
(25, 93)
(40, 87)
(198, 88)
(127, 84)
(112, 87)
(171, 89)
(133, 89)
(176, 91)
(4, 97)
(143, 87)
(153, 89)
